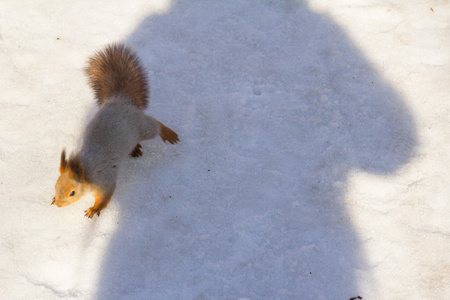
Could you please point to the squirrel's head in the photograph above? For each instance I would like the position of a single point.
(71, 184)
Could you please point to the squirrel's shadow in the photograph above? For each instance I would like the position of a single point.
(274, 106)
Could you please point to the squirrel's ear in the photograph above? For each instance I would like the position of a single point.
(76, 170)
(63, 164)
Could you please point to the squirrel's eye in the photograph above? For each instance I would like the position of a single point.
(73, 193)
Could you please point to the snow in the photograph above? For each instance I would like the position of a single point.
(313, 161)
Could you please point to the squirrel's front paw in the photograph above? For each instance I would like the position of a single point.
(91, 212)
(137, 151)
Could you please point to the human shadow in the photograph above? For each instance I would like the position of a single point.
(275, 107)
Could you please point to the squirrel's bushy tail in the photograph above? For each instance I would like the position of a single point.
(117, 70)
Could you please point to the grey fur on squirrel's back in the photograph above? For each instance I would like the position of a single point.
(111, 135)
(117, 70)
(121, 89)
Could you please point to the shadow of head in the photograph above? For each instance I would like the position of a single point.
(276, 106)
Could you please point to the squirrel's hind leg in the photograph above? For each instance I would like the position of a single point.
(137, 151)
(151, 128)
(167, 134)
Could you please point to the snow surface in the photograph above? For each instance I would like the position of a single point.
(313, 161)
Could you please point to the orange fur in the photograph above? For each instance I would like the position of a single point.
(117, 70)
(167, 134)
(101, 202)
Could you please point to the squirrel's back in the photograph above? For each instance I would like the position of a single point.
(117, 70)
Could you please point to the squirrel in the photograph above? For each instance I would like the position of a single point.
(121, 89)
